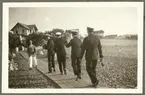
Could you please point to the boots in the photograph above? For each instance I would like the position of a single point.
(65, 72)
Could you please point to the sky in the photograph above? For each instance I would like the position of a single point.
(115, 20)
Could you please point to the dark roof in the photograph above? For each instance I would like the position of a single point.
(26, 26)
(32, 26)
(99, 31)
(112, 35)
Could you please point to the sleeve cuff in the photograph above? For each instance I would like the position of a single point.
(101, 56)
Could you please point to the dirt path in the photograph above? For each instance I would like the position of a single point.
(25, 78)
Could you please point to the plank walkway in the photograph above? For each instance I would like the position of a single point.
(64, 81)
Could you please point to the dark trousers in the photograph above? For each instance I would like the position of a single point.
(51, 62)
(91, 69)
(76, 65)
(61, 62)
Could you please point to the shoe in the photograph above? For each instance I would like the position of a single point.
(36, 66)
(77, 78)
(80, 77)
(61, 73)
(53, 70)
(95, 84)
(65, 73)
(30, 68)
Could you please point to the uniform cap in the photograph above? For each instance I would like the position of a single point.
(75, 31)
(58, 33)
(90, 29)
(48, 35)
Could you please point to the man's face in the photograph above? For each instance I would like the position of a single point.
(30, 42)
(89, 31)
(48, 37)
(74, 35)
(58, 36)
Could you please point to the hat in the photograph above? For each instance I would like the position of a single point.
(58, 33)
(48, 35)
(90, 29)
(75, 31)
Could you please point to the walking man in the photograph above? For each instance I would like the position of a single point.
(50, 54)
(92, 46)
(61, 53)
(32, 54)
(75, 45)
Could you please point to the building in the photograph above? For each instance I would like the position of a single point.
(121, 37)
(100, 33)
(112, 36)
(24, 29)
(131, 36)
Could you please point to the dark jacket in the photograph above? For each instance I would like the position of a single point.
(92, 46)
(50, 47)
(31, 50)
(75, 44)
(60, 46)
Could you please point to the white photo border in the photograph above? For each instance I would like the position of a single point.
(5, 23)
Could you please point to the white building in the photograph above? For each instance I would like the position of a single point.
(24, 29)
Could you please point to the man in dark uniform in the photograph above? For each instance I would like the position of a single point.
(50, 54)
(53, 56)
(61, 53)
(75, 45)
(92, 46)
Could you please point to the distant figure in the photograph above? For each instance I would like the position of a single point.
(50, 54)
(92, 46)
(18, 43)
(12, 64)
(75, 45)
(61, 53)
(32, 55)
(21, 44)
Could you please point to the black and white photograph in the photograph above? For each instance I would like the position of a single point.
(92, 47)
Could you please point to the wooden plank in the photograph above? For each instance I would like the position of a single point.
(64, 81)
(68, 79)
(59, 79)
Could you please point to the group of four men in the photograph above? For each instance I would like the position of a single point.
(91, 45)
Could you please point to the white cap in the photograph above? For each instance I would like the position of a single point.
(75, 30)
(58, 33)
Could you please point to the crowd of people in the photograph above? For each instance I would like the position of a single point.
(91, 46)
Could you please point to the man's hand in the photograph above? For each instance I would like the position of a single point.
(101, 61)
